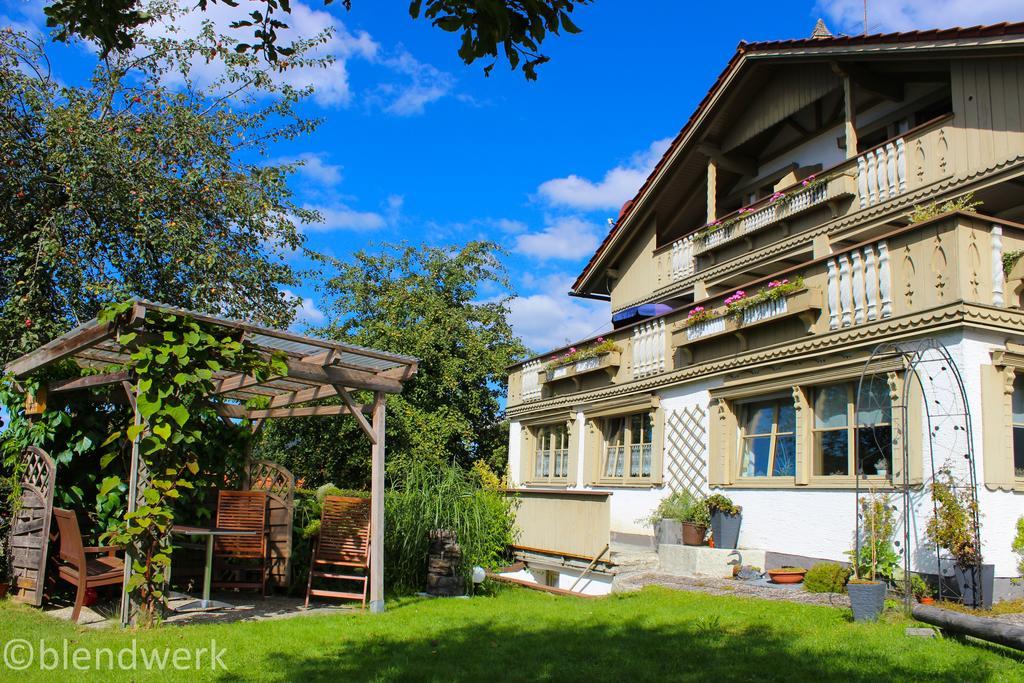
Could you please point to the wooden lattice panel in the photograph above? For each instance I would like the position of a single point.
(279, 485)
(30, 530)
(686, 461)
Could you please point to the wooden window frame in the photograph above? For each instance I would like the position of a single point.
(998, 386)
(653, 478)
(739, 408)
(565, 431)
(851, 427)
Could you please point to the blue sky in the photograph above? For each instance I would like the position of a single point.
(417, 146)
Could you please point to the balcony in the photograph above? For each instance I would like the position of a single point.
(897, 167)
(908, 273)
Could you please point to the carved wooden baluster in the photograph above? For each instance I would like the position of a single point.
(871, 282)
(998, 277)
(858, 287)
(884, 279)
(862, 181)
(845, 291)
(833, 295)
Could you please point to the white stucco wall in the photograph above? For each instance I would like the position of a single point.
(820, 523)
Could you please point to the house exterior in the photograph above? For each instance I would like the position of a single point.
(752, 278)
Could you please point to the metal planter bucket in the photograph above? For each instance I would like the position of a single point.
(866, 599)
(976, 585)
(726, 529)
(670, 532)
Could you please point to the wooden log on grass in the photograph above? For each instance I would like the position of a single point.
(985, 628)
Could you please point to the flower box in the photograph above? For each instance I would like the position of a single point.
(608, 362)
(804, 303)
(768, 212)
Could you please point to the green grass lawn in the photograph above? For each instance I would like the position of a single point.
(526, 635)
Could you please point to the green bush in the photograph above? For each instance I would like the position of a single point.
(826, 577)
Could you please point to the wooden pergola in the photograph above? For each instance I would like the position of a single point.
(317, 369)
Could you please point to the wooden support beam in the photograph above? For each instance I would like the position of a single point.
(59, 350)
(305, 411)
(357, 413)
(712, 213)
(356, 379)
(239, 412)
(737, 163)
(851, 118)
(377, 508)
(889, 88)
(302, 396)
(88, 382)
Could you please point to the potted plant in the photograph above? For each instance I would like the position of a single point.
(680, 517)
(875, 562)
(953, 529)
(922, 593)
(725, 520)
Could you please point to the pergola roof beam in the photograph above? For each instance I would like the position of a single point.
(88, 382)
(357, 413)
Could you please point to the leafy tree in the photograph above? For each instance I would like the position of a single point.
(426, 302)
(135, 183)
(515, 27)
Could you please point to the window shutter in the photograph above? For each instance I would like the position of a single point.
(723, 444)
(804, 447)
(658, 446)
(526, 452)
(997, 430)
(593, 442)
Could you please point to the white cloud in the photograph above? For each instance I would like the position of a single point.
(908, 15)
(618, 185)
(426, 84)
(307, 312)
(343, 217)
(547, 322)
(331, 83)
(314, 167)
(568, 238)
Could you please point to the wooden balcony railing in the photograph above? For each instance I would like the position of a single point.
(883, 173)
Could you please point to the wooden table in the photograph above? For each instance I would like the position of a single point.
(210, 533)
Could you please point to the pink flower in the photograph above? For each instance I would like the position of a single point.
(696, 310)
(777, 196)
(572, 350)
(743, 210)
(600, 340)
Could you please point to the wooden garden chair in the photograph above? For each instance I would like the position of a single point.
(76, 563)
(342, 548)
(242, 554)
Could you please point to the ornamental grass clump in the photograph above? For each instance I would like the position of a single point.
(444, 497)
(681, 506)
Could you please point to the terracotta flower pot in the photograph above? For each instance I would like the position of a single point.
(787, 575)
(693, 533)
(926, 600)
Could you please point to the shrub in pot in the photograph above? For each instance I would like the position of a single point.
(953, 529)
(875, 560)
(685, 510)
(725, 520)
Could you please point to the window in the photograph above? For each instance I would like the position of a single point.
(840, 429)
(551, 459)
(768, 438)
(628, 447)
(1018, 426)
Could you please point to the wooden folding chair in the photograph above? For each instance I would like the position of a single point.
(77, 568)
(342, 547)
(242, 554)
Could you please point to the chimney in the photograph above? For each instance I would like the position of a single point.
(820, 31)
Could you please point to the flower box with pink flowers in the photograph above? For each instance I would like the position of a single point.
(604, 354)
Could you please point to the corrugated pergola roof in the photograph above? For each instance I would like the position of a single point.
(316, 367)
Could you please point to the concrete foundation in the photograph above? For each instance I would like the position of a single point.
(693, 560)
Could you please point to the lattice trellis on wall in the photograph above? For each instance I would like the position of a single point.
(686, 456)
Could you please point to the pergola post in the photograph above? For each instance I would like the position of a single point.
(377, 507)
(133, 504)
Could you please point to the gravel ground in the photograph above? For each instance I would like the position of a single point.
(752, 589)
